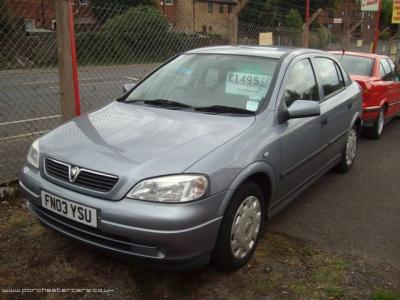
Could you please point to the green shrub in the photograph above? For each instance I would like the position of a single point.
(320, 37)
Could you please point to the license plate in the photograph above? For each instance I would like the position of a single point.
(68, 209)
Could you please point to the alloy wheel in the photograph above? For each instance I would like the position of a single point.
(381, 121)
(351, 146)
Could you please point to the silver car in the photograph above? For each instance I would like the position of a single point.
(190, 163)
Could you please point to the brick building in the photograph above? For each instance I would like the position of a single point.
(40, 15)
(347, 14)
(199, 15)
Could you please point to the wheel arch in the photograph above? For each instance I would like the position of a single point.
(385, 106)
(357, 121)
(384, 103)
(262, 174)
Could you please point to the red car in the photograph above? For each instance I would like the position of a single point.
(380, 83)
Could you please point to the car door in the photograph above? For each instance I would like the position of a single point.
(337, 105)
(394, 105)
(390, 85)
(300, 139)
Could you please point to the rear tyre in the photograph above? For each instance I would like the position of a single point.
(240, 228)
(377, 128)
(349, 152)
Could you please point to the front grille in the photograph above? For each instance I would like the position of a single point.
(86, 178)
(57, 170)
(95, 181)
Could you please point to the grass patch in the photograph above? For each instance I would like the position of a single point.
(382, 294)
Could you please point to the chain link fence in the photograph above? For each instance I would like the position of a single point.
(29, 89)
(115, 45)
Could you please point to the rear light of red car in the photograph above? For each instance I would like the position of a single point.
(366, 91)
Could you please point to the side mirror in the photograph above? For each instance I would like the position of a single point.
(304, 109)
(127, 87)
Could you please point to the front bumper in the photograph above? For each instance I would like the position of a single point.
(171, 233)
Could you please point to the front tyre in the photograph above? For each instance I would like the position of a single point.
(349, 152)
(240, 228)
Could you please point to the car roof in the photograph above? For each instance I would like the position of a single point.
(362, 54)
(260, 51)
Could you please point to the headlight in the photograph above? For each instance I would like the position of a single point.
(175, 188)
(33, 155)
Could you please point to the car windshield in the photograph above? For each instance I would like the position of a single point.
(356, 65)
(201, 81)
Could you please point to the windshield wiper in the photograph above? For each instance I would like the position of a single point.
(161, 103)
(223, 109)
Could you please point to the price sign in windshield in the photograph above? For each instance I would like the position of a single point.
(255, 86)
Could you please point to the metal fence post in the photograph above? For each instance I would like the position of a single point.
(69, 88)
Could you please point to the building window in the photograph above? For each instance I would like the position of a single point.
(29, 24)
(210, 28)
(210, 7)
(83, 2)
(54, 24)
(169, 2)
(204, 29)
(230, 9)
(221, 8)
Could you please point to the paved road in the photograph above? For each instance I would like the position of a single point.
(356, 213)
(28, 94)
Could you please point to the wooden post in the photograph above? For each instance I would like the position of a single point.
(306, 27)
(234, 22)
(69, 92)
(306, 38)
(233, 29)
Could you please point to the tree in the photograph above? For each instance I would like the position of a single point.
(106, 9)
(386, 16)
(8, 23)
(139, 32)
(12, 33)
(320, 37)
(262, 13)
(293, 19)
(270, 12)
(293, 26)
(142, 19)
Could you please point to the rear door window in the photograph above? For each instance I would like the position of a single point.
(328, 70)
(388, 72)
(395, 75)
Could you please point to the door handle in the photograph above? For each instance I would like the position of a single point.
(324, 121)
